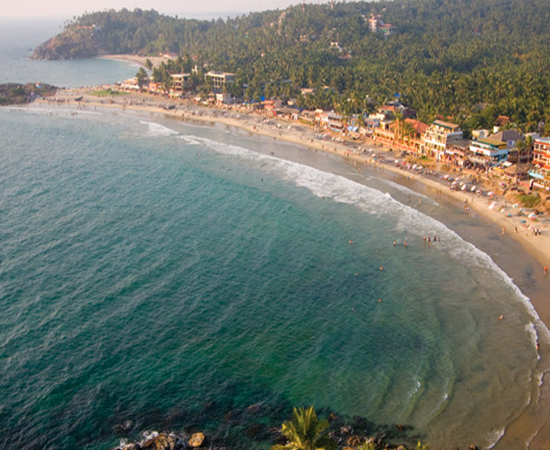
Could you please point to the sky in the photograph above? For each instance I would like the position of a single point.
(66, 9)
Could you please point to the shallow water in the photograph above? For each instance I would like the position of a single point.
(168, 274)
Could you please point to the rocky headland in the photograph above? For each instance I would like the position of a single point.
(18, 94)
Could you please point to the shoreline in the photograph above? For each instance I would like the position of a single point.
(136, 59)
(531, 423)
(301, 134)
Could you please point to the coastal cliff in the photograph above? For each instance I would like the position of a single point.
(68, 45)
(17, 94)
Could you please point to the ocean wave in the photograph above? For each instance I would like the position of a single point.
(156, 129)
(375, 202)
(408, 191)
(494, 437)
(190, 140)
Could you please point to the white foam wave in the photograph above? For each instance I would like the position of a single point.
(408, 191)
(156, 129)
(190, 140)
(531, 330)
(404, 218)
(415, 389)
(494, 436)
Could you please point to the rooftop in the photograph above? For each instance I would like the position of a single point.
(450, 126)
(489, 141)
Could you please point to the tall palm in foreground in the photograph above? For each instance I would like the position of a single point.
(305, 432)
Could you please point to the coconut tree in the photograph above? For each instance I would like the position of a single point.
(305, 432)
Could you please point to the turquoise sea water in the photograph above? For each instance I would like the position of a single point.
(18, 37)
(157, 275)
(168, 275)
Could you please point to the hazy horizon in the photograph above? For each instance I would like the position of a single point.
(208, 9)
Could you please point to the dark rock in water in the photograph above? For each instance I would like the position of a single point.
(253, 409)
(124, 427)
(258, 432)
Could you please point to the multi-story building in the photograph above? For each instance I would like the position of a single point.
(516, 154)
(541, 158)
(220, 79)
(438, 137)
(487, 152)
(180, 81)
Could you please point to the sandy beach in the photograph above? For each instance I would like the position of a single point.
(515, 231)
(496, 209)
(138, 60)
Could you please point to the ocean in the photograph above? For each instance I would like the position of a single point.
(162, 275)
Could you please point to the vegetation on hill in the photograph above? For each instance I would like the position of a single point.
(16, 94)
(469, 60)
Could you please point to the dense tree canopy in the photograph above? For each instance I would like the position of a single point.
(447, 57)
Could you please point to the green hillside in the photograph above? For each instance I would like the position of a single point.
(466, 59)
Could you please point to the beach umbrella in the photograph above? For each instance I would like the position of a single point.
(473, 188)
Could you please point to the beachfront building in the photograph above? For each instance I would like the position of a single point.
(541, 159)
(329, 119)
(154, 87)
(180, 82)
(385, 133)
(271, 106)
(438, 138)
(370, 126)
(457, 152)
(487, 152)
(131, 84)
(223, 98)
(406, 135)
(220, 79)
(411, 136)
(512, 138)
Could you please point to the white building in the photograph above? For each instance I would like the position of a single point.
(439, 136)
(220, 79)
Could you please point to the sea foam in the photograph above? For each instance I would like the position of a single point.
(156, 129)
(372, 201)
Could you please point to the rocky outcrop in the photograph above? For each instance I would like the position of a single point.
(17, 94)
(157, 441)
(196, 440)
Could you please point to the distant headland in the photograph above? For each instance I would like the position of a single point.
(465, 61)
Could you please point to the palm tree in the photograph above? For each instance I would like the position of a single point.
(305, 432)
